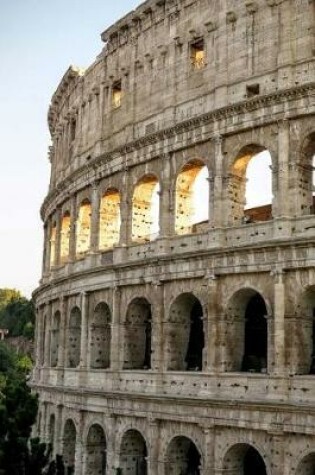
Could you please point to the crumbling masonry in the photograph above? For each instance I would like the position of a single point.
(175, 321)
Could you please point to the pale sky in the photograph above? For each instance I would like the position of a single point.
(39, 39)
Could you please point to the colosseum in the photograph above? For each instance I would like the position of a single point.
(176, 314)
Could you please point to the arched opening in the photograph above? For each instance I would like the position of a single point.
(307, 465)
(100, 336)
(83, 229)
(53, 236)
(133, 454)
(109, 230)
(65, 237)
(303, 334)
(250, 189)
(69, 444)
(51, 434)
(96, 451)
(191, 197)
(305, 181)
(74, 338)
(248, 333)
(145, 209)
(138, 329)
(185, 334)
(54, 339)
(182, 458)
(243, 459)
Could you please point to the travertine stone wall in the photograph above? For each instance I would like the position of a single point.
(187, 347)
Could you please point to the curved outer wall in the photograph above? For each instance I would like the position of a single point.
(181, 82)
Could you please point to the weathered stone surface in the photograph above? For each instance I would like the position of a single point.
(169, 344)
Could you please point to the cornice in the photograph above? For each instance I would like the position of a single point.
(249, 105)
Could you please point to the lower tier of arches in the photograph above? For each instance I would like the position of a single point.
(149, 437)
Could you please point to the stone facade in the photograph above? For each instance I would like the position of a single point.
(171, 343)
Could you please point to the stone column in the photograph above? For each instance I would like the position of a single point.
(125, 210)
(157, 328)
(95, 218)
(62, 332)
(213, 314)
(45, 266)
(58, 435)
(73, 214)
(58, 236)
(47, 336)
(79, 447)
(218, 200)
(279, 462)
(209, 450)
(283, 193)
(48, 247)
(115, 350)
(153, 459)
(84, 329)
(166, 218)
(278, 335)
(39, 336)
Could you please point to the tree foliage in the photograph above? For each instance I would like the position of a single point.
(16, 313)
(20, 455)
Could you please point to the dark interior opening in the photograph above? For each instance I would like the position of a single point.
(196, 339)
(255, 351)
(193, 461)
(253, 463)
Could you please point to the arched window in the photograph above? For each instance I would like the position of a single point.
(69, 444)
(244, 459)
(250, 188)
(307, 465)
(191, 197)
(133, 454)
(96, 451)
(54, 339)
(53, 236)
(52, 423)
(74, 338)
(182, 457)
(248, 334)
(185, 335)
(65, 238)
(137, 345)
(109, 228)
(303, 335)
(83, 229)
(145, 209)
(100, 336)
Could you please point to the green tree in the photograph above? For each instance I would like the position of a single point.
(17, 313)
(18, 409)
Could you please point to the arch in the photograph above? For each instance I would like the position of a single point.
(182, 457)
(69, 446)
(109, 219)
(191, 197)
(53, 238)
(133, 453)
(306, 176)
(74, 338)
(247, 334)
(304, 333)
(100, 336)
(244, 459)
(185, 334)
(138, 330)
(54, 339)
(307, 465)
(83, 228)
(146, 209)
(95, 451)
(250, 189)
(65, 237)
